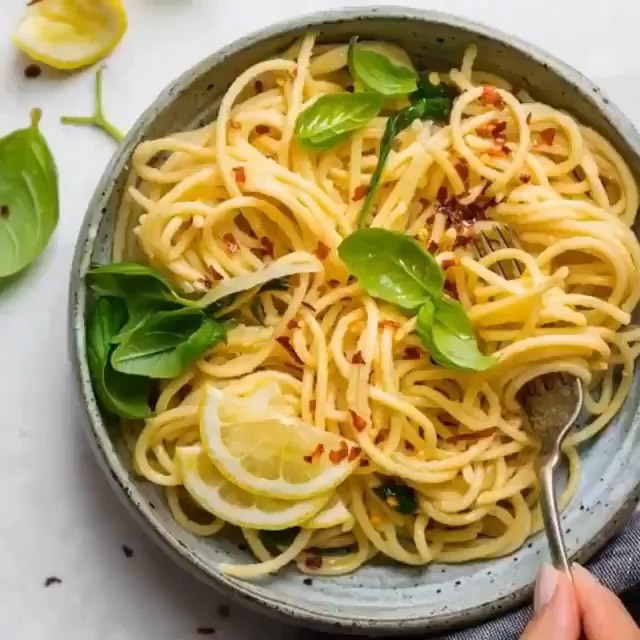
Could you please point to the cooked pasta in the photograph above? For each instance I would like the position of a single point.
(238, 203)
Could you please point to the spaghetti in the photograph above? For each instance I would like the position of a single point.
(239, 196)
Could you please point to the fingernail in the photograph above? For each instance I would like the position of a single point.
(545, 587)
(587, 576)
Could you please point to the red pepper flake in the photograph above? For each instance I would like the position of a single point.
(451, 289)
(388, 324)
(490, 96)
(432, 247)
(441, 196)
(322, 251)
(333, 283)
(313, 562)
(476, 435)
(32, 71)
(409, 446)
(364, 463)
(357, 358)
(293, 324)
(424, 203)
(548, 135)
(230, 243)
(261, 129)
(450, 262)
(285, 343)
(528, 118)
(268, 246)
(239, 175)
(499, 128)
(381, 436)
(354, 453)
(234, 124)
(360, 192)
(358, 422)
(496, 151)
(211, 276)
(525, 178)
(258, 86)
(463, 170)
(243, 225)
(412, 353)
(336, 456)
(315, 454)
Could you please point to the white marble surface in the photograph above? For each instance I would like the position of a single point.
(60, 518)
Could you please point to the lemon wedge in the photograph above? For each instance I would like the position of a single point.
(258, 445)
(214, 493)
(70, 34)
(333, 515)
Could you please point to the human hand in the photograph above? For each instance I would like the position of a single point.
(562, 610)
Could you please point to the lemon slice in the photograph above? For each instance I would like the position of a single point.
(214, 493)
(333, 515)
(69, 34)
(268, 452)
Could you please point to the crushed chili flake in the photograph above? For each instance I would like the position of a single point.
(364, 463)
(211, 275)
(268, 246)
(333, 283)
(450, 262)
(322, 251)
(409, 446)
(285, 343)
(239, 175)
(354, 453)
(548, 135)
(358, 422)
(432, 247)
(315, 454)
(243, 225)
(381, 436)
(336, 456)
(441, 196)
(230, 243)
(412, 353)
(261, 129)
(463, 170)
(476, 435)
(451, 289)
(360, 192)
(424, 202)
(357, 358)
(388, 324)
(293, 324)
(258, 85)
(313, 562)
(51, 580)
(490, 96)
(234, 124)
(524, 178)
(32, 71)
(499, 128)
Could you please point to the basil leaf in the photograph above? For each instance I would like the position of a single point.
(448, 335)
(438, 96)
(166, 343)
(133, 280)
(399, 497)
(331, 118)
(395, 124)
(138, 312)
(392, 266)
(378, 73)
(122, 395)
(29, 206)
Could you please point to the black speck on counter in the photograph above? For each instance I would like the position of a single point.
(128, 551)
(32, 71)
(51, 580)
(307, 581)
(205, 631)
(224, 611)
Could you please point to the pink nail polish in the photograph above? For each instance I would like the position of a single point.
(545, 587)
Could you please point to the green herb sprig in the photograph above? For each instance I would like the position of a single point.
(29, 207)
(141, 330)
(394, 267)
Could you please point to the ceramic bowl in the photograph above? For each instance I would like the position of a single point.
(378, 599)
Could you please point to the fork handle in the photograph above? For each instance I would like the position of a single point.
(550, 514)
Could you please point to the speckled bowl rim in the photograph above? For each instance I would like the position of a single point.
(97, 431)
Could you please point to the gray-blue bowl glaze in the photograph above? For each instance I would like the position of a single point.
(377, 599)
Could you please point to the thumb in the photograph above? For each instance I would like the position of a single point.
(555, 608)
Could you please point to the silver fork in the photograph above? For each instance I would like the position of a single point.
(552, 403)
